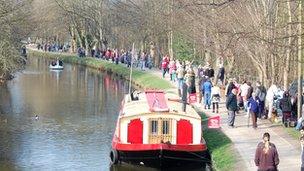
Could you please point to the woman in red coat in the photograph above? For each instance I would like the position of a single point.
(164, 65)
(266, 155)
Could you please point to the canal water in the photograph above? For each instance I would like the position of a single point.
(77, 110)
(76, 113)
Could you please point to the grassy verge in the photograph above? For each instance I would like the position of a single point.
(221, 149)
(220, 146)
(293, 133)
(290, 131)
(218, 143)
(139, 78)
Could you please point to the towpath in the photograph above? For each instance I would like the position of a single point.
(245, 139)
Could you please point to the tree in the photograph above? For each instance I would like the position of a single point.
(14, 27)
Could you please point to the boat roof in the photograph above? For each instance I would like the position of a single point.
(156, 102)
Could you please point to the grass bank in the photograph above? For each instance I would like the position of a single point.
(223, 154)
(293, 133)
(290, 131)
(139, 78)
(221, 147)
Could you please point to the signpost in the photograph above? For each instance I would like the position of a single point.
(214, 122)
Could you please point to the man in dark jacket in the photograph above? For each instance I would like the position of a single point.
(285, 106)
(229, 87)
(221, 74)
(185, 89)
(250, 90)
(231, 105)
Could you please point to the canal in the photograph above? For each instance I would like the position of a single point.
(77, 110)
(76, 113)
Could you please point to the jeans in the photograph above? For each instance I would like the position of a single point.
(261, 109)
(207, 99)
(231, 117)
(173, 77)
(184, 104)
(299, 125)
(164, 70)
(254, 119)
(270, 105)
(143, 64)
(215, 105)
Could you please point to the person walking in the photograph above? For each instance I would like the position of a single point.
(231, 105)
(243, 93)
(180, 78)
(221, 74)
(261, 94)
(230, 86)
(206, 88)
(164, 65)
(285, 106)
(250, 90)
(266, 155)
(190, 77)
(143, 61)
(185, 89)
(253, 105)
(172, 69)
(271, 93)
(215, 98)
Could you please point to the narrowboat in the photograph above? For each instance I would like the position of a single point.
(151, 130)
(56, 65)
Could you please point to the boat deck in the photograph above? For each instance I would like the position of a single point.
(141, 106)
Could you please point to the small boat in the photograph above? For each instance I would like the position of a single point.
(151, 130)
(56, 65)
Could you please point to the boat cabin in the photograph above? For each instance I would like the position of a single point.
(153, 117)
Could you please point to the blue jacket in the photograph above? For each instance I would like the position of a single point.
(206, 87)
(254, 104)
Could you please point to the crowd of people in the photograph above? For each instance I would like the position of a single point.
(252, 98)
(188, 81)
(53, 47)
(258, 102)
(140, 60)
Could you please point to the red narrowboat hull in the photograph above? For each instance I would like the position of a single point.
(164, 155)
(162, 146)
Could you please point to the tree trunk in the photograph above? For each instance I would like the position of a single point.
(73, 40)
(300, 60)
(142, 46)
(152, 52)
(287, 61)
(86, 43)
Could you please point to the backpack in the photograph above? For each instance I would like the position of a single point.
(262, 96)
(262, 93)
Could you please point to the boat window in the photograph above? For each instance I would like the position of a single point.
(154, 127)
(165, 127)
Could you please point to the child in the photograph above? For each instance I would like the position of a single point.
(215, 98)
